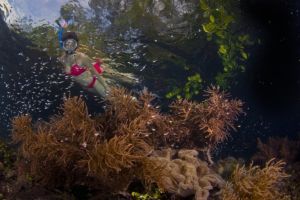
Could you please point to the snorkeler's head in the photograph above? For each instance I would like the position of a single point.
(70, 42)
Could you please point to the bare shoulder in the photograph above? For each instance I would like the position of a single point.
(85, 59)
(81, 55)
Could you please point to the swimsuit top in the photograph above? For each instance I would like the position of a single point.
(77, 70)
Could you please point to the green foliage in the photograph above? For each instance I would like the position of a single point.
(191, 88)
(219, 27)
(156, 194)
(44, 38)
(138, 17)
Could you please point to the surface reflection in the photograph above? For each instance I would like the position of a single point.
(37, 11)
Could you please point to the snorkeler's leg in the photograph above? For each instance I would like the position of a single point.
(103, 82)
(100, 89)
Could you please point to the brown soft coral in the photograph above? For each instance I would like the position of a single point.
(254, 183)
(213, 118)
(68, 149)
(109, 150)
(183, 176)
(125, 113)
(189, 124)
(283, 149)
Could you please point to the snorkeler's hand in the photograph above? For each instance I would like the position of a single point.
(98, 67)
(98, 60)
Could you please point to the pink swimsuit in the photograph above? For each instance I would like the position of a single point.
(77, 70)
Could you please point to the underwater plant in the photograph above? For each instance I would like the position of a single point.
(220, 19)
(254, 183)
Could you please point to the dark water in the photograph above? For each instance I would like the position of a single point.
(32, 81)
(271, 84)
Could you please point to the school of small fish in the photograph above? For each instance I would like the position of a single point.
(37, 91)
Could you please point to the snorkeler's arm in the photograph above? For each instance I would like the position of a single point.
(88, 62)
(62, 60)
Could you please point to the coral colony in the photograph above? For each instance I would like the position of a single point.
(134, 151)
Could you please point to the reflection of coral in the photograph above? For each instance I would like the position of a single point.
(184, 176)
(279, 148)
(254, 183)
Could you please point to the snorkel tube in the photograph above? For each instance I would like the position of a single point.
(62, 25)
(60, 33)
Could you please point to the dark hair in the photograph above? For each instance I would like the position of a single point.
(70, 35)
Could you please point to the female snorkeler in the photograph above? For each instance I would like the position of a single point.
(90, 75)
(81, 67)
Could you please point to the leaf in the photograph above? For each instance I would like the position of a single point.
(245, 55)
(209, 28)
(212, 18)
(203, 5)
(223, 49)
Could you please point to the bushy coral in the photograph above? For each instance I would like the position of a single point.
(188, 124)
(69, 149)
(282, 149)
(109, 151)
(215, 116)
(254, 183)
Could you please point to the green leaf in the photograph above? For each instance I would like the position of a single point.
(208, 28)
(203, 5)
(245, 55)
(212, 18)
(223, 49)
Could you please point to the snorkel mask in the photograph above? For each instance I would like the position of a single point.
(70, 45)
(70, 42)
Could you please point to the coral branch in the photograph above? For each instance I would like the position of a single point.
(253, 183)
